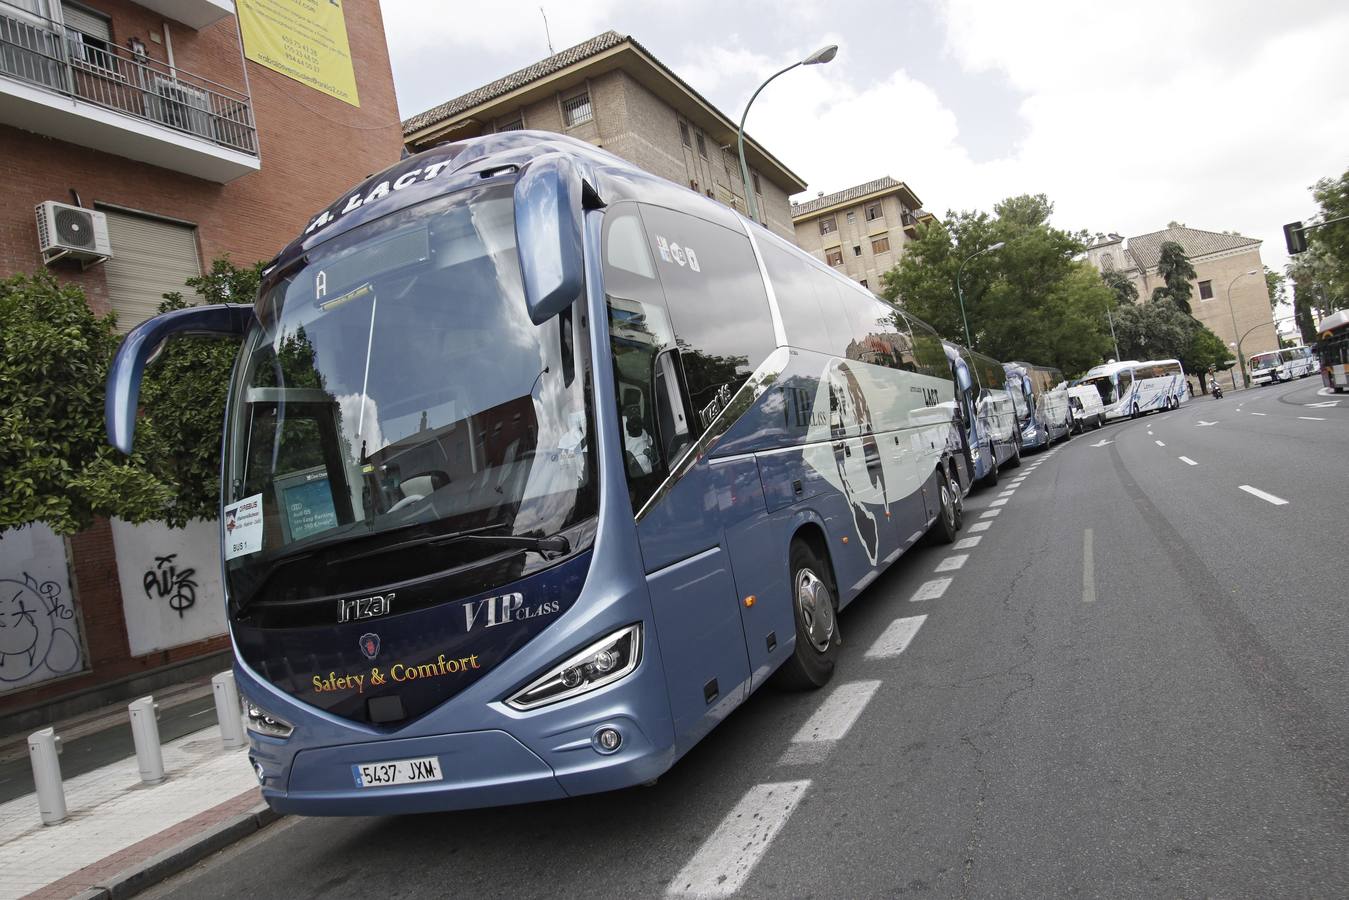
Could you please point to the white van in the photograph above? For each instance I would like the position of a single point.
(1087, 407)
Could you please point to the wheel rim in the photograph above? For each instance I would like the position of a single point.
(948, 505)
(816, 608)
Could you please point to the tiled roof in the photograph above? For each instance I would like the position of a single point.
(501, 86)
(1147, 248)
(843, 196)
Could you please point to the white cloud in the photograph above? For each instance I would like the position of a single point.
(497, 26)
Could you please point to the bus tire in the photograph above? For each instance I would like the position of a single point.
(1133, 413)
(991, 479)
(1015, 461)
(815, 611)
(944, 528)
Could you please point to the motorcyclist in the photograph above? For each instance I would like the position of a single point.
(1213, 380)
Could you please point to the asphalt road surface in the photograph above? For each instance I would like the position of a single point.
(1134, 683)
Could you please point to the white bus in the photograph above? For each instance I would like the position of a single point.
(1132, 388)
(1282, 365)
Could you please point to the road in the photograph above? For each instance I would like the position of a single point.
(1135, 683)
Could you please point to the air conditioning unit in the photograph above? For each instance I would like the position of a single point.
(72, 231)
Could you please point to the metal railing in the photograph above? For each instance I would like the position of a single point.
(58, 58)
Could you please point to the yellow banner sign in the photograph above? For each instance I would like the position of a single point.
(302, 39)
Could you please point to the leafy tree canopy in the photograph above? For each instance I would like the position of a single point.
(55, 463)
(1174, 268)
(1159, 330)
(1122, 285)
(1031, 300)
(1274, 283)
(1331, 243)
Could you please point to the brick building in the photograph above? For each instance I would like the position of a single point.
(861, 230)
(189, 132)
(1225, 296)
(612, 92)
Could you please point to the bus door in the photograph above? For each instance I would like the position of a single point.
(676, 497)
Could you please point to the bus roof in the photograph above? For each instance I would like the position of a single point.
(1111, 368)
(1336, 320)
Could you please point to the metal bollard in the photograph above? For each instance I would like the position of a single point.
(43, 749)
(145, 732)
(227, 711)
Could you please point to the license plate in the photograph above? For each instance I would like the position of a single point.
(399, 771)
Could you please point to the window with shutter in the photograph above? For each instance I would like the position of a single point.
(151, 258)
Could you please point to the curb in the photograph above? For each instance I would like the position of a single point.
(167, 863)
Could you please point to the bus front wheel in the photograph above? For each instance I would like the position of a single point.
(811, 665)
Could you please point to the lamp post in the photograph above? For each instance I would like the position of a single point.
(823, 55)
(1241, 366)
(960, 291)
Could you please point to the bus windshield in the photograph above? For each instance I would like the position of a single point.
(1265, 361)
(394, 379)
(1104, 385)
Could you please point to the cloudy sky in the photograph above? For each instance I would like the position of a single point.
(1216, 114)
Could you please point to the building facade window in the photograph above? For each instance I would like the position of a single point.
(1205, 290)
(874, 212)
(88, 35)
(834, 257)
(856, 249)
(577, 109)
(516, 124)
(852, 216)
(880, 245)
(865, 285)
(693, 185)
(684, 133)
(702, 146)
(755, 177)
(828, 225)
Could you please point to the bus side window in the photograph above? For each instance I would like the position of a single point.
(717, 303)
(804, 321)
(928, 350)
(650, 404)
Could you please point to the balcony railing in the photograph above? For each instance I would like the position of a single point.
(69, 62)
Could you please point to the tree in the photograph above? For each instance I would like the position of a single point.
(1126, 292)
(1030, 300)
(1274, 284)
(1174, 268)
(1332, 241)
(1159, 330)
(183, 400)
(55, 463)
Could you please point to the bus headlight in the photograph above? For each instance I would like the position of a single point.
(603, 662)
(264, 722)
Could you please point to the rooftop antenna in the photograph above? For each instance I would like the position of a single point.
(546, 34)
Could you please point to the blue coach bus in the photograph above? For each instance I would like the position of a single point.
(536, 466)
(987, 413)
(1041, 397)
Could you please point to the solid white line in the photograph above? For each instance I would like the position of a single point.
(837, 713)
(1088, 569)
(1187, 460)
(729, 854)
(895, 639)
(1269, 498)
(951, 563)
(989, 513)
(1001, 501)
(1312, 418)
(978, 526)
(1159, 443)
(930, 590)
(968, 543)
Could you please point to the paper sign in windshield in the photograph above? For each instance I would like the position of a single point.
(243, 527)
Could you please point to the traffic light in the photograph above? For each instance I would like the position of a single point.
(1295, 237)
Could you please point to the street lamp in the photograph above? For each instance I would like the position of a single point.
(960, 291)
(819, 57)
(1241, 365)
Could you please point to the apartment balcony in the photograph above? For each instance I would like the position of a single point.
(195, 14)
(65, 84)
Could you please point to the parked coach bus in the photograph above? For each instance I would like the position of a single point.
(1332, 350)
(1045, 415)
(536, 466)
(1282, 365)
(987, 411)
(1132, 388)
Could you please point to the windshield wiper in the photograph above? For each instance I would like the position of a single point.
(545, 545)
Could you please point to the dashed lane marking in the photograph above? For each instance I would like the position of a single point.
(1001, 501)
(837, 713)
(989, 513)
(1259, 414)
(1088, 569)
(930, 590)
(968, 543)
(1268, 498)
(978, 526)
(1187, 460)
(895, 639)
(1007, 493)
(951, 563)
(1313, 418)
(1159, 443)
(730, 853)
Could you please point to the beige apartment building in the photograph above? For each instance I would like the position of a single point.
(612, 92)
(1232, 303)
(861, 231)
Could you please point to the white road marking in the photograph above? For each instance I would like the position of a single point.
(1313, 418)
(968, 543)
(989, 513)
(978, 526)
(1001, 501)
(1325, 405)
(1007, 493)
(1269, 498)
(1259, 414)
(930, 590)
(1149, 432)
(1088, 569)
(1187, 460)
(1201, 423)
(1159, 443)
(730, 853)
(1101, 443)
(951, 563)
(837, 713)
(895, 639)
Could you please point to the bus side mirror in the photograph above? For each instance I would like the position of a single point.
(143, 344)
(548, 207)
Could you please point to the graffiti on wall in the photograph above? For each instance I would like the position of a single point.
(37, 634)
(170, 580)
(167, 582)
